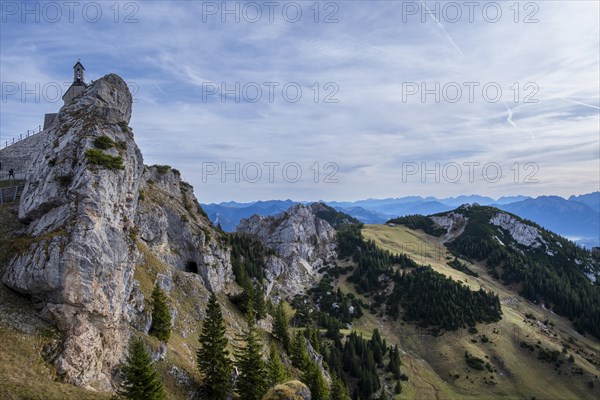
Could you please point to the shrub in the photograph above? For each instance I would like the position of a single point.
(97, 157)
(474, 362)
(121, 145)
(124, 127)
(162, 169)
(103, 142)
(133, 233)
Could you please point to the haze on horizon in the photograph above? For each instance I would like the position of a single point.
(392, 93)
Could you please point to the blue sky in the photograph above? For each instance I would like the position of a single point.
(370, 130)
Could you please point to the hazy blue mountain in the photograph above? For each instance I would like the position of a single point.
(415, 207)
(235, 204)
(460, 200)
(374, 204)
(565, 217)
(365, 216)
(231, 213)
(591, 200)
(510, 199)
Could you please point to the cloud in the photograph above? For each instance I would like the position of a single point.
(364, 61)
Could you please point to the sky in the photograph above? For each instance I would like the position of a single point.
(330, 100)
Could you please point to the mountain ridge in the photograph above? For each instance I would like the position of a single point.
(567, 217)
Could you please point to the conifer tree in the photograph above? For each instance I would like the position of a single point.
(213, 357)
(398, 388)
(316, 383)
(298, 353)
(276, 370)
(280, 326)
(394, 364)
(161, 319)
(252, 379)
(140, 379)
(259, 304)
(339, 391)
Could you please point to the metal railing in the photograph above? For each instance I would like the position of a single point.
(21, 137)
(11, 193)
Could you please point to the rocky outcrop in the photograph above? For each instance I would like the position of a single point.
(77, 258)
(454, 223)
(303, 243)
(292, 390)
(172, 224)
(93, 212)
(523, 234)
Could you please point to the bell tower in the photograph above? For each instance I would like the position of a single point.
(78, 85)
(78, 70)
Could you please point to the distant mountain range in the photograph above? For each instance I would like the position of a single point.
(577, 218)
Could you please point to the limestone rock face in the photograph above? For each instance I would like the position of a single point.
(523, 234)
(90, 224)
(453, 222)
(77, 259)
(171, 223)
(303, 243)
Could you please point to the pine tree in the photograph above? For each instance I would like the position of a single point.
(252, 379)
(276, 370)
(161, 319)
(339, 391)
(213, 357)
(259, 304)
(398, 388)
(315, 382)
(141, 380)
(298, 353)
(280, 326)
(394, 364)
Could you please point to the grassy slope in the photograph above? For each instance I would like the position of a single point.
(431, 362)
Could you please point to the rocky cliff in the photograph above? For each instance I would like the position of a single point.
(303, 242)
(94, 214)
(176, 229)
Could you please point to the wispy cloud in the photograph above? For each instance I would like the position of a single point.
(367, 58)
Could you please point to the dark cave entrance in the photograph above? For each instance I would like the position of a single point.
(191, 266)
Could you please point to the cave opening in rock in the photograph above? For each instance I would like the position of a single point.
(191, 266)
